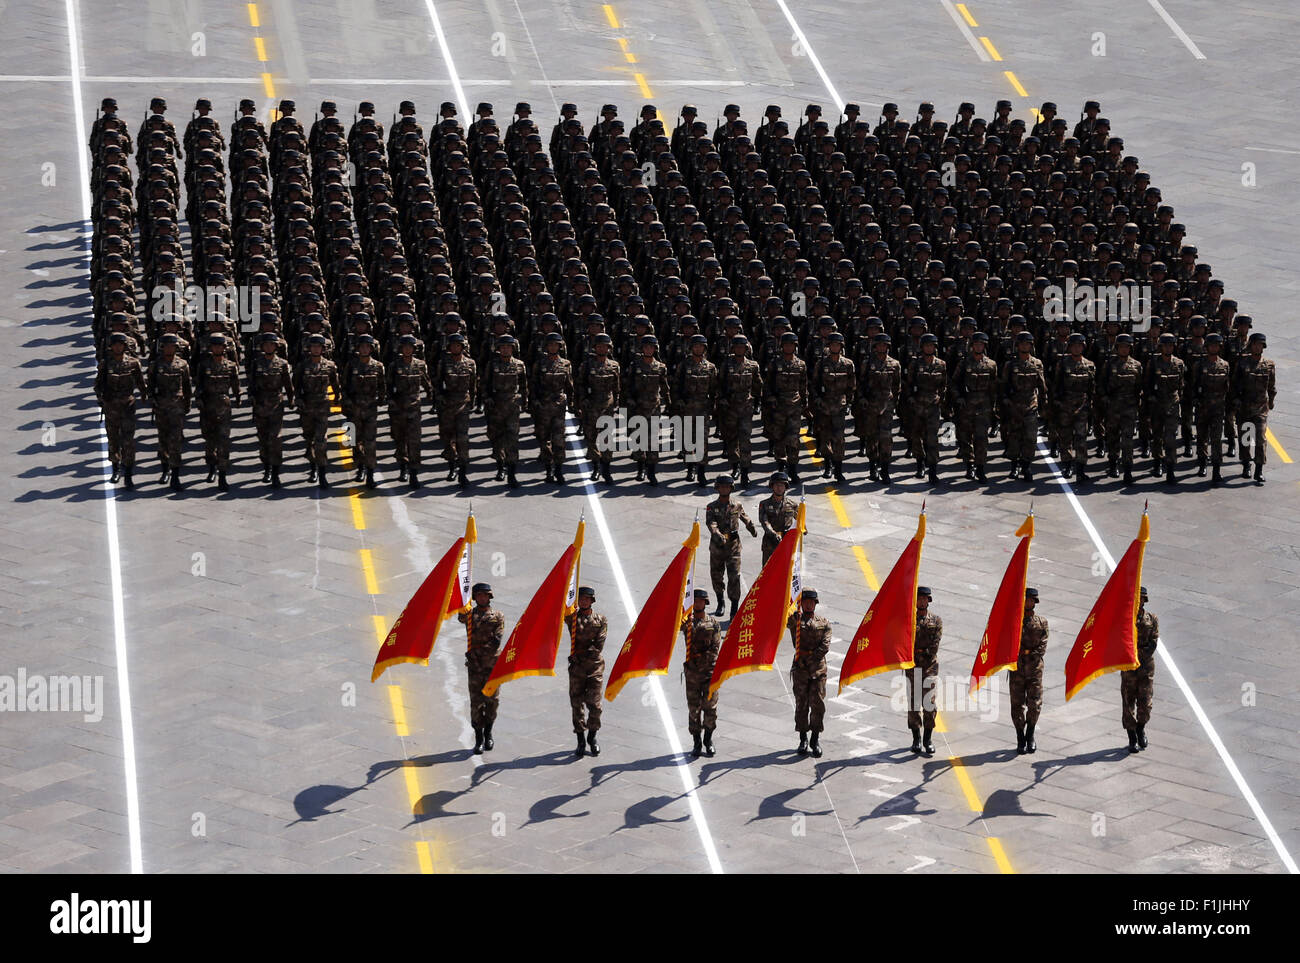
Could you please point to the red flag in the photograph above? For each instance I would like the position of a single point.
(755, 632)
(649, 646)
(442, 594)
(887, 634)
(1000, 646)
(1108, 639)
(535, 641)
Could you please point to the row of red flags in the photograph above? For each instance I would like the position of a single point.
(884, 639)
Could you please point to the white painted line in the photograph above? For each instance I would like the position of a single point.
(1178, 31)
(538, 57)
(461, 100)
(960, 21)
(633, 83)
(1273, 150)
(412, 82)
(807, 47)
(110, 493)
(1169, 664)
(571, 433)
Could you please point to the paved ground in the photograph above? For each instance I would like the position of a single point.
(249, 621)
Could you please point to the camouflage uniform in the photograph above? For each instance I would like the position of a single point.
(811, 635)
(787, 384)
(1165, 380)
(1211, 393)
(1137, 685)
(696, 392)
(454, 389)
(1075, 387)
(552, 385)
(881, 382)
(777, 516)
(927, 380)
(216, 383)
(270, 382)
(312, 381)
(1121, 383)
(646, 388)
(1026, 679)
(170, 391)
(505, 395)
(1025, 389)
(740, 387)
(723, 521)
(833, 385)
(1254, 386)
(975, 387)
(115, 387)
(929, 632)
(586, 667)
(597, 391)
(364, 387)
(703, 637)
(407, 378)
(484, 628)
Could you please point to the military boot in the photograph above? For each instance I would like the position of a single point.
(934, 475)
(1112, 468)
(591, 743)
(462, 479)
(970, 472)
(370, 478)
(595, 471)
(1128, 475)
(550, 473)
(719, 610)
(401, 471)
(1200, 466)
(793, 470)
(815, 746)
(501, 470)
(559, 474)
(920, 469)
(1030, 745)
(1216, 478)
(1080, 477)
(127, 480)
(322, 479)
(698, 748)
(360, 472)
(1020, 740)
(1027, 470)
(224, 486)
(871, 470)
(266, 474)
(884, 473)
(478, 740)
(605, 473)
(413, 478)
(925, 740)
(1170, 477)
(744, 478)
(166, 470)
(212, 472)
(640, 471)
(1157, 467)
(916, 739)
(651, 477)
(176, 480)
(1232, 446)
(980, 474)
(826, 468)
(1259, 475)
(1245, 468)
(735, 604)
(1133, 741)
(700, 470)
(117, 475)
(839, 472)
(1142, 737)
(311, 472)
(488, 744)
(708, 743)
(803, 744)
(582, 746)
(511, 480)
(451, 471)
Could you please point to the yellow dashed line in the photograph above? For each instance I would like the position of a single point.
(988, 45)
(268, 84)
(1277, 445)
(424, 851)
(253, 18)
(358, 514)
(939, 725)
(967, 787)
(1014, 82)
(631, 57)
(841, 515)
(399, 720)
(611, 17)
(961, 8)
(381, 628)
(867, 571)
(368, 567)
(999, 854)
(646, 92)
(260, 44)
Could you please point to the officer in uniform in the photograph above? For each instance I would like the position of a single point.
(776, 513)
(1121, 384)
(646, 389)
(1136, 685)
(408, 379)
(723, 518)
(879, 387)
(270, 383)
(926, 385)
(1075, 387)
(740, 387)
(597, 391)
(703, 636)
(551, 387)
(364, 387)
(504, 395)
(786, 385)
(1025, 391)
(216, 383)
(924, 676)
(833, 386)
(1026, 679)
(170, 392)
(118, 379)
(811, 636)
(484, 629)
(1210, 385)
(453, 391)
(974, 391)
(1254, 389)
(312, 381)
(1165, 381)
(587, 630)
(695, 391)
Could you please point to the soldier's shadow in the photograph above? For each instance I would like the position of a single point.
(489, 769)
(906, 802)
(607, 771)
(714, 770)
(433, 805)
(315, 801)
(776, 805)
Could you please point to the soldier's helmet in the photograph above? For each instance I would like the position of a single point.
(406, 339)
(1077, 338)
(552, 336)
(838, 338)
(724, 481)
(456, 339)
(1024, 337)
(482, 587)
(980, 336)
(699, 339)
(1031, 593)
(808, 595)
(789, 337)
(1124, 339)
(1257, 336)
(1169, 338)
(603, 338)
(1214, 338)
(216, 337)
(929, 339)
(169, 339)
(649, 339)
(506, 339)
(1143, 594)
(317, 339)
(117, 337)
(779, 476)
(262, 339)
(365, 339)
(924, 590)
(702, 594)
(588, 591)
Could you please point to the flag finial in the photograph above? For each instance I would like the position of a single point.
(1031, 506)
(1144, 506)
(922, 506)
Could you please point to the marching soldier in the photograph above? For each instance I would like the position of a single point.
(1026, 679)
(171, 392)
(364, 388)
(1136, 685)
(927, 382)
(1025, 390)
(974, 387)
(1254, 389)
(408, 379)
(924, 675)
(1075, 385)
(116, 383)
(552, 384)
(703, 637)
(313, 379)
(597, 391)
(484, 629)
(723, 517)
(1211, 384)
(787, 387)
(1166, 378)
(504, 396)
(695, 392)
(740, 387)
(1121, 383)
(833, 387)
(776, 513)
(879, 387)
(216, 383)
(453, 390)
(270, 383)
(587, 630)
(647, 396)
(811, 635)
